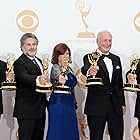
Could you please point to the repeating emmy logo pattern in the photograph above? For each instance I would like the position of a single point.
(83, 126)
(82, 121)
(84, 11)
(137, 21)
(27, 21)
(81, 79)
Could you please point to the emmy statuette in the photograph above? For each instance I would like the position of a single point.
(47, 87)
(84, 10)
(133, 66)
(9, 84)
(93, 59)
(61, 88)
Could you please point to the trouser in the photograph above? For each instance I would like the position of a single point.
(31, 129)
(97, 125)
(139, 125)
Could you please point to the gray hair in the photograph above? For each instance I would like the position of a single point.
(26, 36)
(101, 32)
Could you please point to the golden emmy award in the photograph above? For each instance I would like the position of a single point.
(80, 5)
(93, 59)
(61, 88)
(47, 87)
(9, 84)
(133, 66)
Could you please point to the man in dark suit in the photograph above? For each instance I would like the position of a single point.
(29, 105)
(105, 103)
(2, 78)
(133, 78)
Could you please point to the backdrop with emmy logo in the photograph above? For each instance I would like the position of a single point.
(75, 22)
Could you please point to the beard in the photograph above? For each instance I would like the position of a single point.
(31, 53)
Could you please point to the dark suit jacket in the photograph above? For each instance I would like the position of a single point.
(98, 96)
(2, 78)
(28, 103)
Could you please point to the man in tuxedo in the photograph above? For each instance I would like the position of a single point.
(105, 103)
(29, 105)
(2, 78)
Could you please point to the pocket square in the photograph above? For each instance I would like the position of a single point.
(117, 67)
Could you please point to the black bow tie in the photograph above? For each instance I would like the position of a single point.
(104, 55)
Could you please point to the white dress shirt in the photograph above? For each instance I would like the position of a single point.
(108, 63)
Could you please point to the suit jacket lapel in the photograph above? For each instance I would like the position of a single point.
(103, 66)
(30, 63)
(114, 67)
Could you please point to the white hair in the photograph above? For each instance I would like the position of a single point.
(101, 32)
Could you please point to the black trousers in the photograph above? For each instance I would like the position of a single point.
(139, 125)
(31, 129)
(97, 125)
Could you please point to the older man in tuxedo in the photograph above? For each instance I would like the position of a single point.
(105, 103)
(29, 105)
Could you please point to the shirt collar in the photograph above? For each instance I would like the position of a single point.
(31, 57)
(101, 52)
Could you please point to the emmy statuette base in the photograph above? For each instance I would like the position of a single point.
(47, 88)
(94, 81)
(9, 86)
(62, 89)
(131, 87)
(86, 35)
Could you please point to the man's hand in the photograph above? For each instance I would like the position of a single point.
(10, 76)
(131, 78)
(93, 70)
(43, 79)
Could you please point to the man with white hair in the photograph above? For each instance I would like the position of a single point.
(104, 102)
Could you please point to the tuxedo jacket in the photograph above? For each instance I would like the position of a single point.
(98, 95)
(3, 69)
(28, 103)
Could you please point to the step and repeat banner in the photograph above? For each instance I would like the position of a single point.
(76, 23)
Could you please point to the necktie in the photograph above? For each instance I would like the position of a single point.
(34, 61)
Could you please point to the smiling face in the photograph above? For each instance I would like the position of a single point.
(64, 57)
(104, 41)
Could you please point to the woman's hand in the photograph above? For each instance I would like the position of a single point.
(62, 79)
